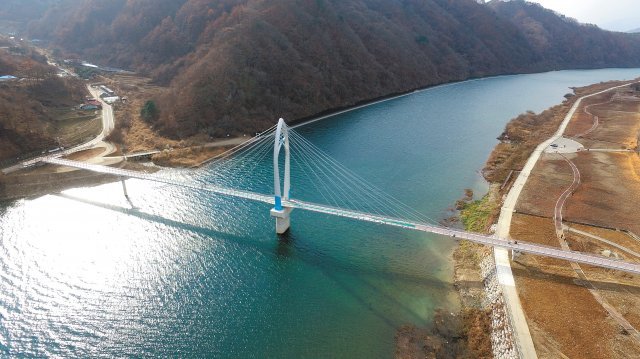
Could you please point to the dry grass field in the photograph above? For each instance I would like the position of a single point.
(566, 318)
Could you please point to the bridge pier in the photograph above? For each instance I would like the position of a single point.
(515, 254)
(283, 219)
(124, 188)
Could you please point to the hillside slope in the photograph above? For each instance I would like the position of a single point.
(27, 124)
(234, 66)
(15, 14)
(562, 42)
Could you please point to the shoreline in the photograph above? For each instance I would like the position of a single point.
(501, 256)
(326, 114)
(495, 270)
(396, 95)
(193, 156)
(483, 269)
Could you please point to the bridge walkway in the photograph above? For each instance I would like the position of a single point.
(488, 240)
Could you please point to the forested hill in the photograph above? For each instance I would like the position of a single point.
(28, 107)
(15, 14)
(237, 65)
(562, 42)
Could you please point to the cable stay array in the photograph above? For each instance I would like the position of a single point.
(319, 184)
(338, 186)
(315, 177)
(246, 166)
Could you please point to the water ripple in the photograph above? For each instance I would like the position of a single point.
(185, 274)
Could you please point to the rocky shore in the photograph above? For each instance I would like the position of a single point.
(475, 273)
(502, 340)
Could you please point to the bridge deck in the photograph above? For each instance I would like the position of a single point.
(142, 154)
(151, 177)
(488, 240)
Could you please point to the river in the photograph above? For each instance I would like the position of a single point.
(185, 274)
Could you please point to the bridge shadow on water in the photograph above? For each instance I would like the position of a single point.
(337, 271)
(286, 248)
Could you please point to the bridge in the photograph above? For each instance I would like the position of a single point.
(281, 137)
(144, 154)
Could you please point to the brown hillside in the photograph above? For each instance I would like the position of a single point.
(233, 66)
(28, 107)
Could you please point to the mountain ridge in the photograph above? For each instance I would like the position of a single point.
(234, 66)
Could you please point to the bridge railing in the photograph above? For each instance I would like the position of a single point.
(493, 241)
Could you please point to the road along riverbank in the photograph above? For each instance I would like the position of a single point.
(507, 169)
(598, 191)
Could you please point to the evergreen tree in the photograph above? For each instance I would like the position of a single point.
(150, 111)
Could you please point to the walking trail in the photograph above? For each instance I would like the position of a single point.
(503, 266)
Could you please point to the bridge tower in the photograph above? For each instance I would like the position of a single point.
(281, 212)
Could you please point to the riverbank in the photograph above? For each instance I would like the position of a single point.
(470, 333)
(606, 126)
(131, 134)
(137, 135)
(335, 288)
(49, 179)
(475, 273)
(474, 264)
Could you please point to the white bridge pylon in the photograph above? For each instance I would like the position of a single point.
(281, 213)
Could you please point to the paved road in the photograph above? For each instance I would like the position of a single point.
(108, 123)
(564, 145)
(503, 267)
(227, 142)
(607, 150)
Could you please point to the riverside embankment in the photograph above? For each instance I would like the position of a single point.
(510, 329)
(601, 173)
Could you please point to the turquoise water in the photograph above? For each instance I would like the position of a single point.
(187, 274)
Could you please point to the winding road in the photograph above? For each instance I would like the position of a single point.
(603, 240)
(596, 119)
(615, 315)
(108, 124)
(557, 211)
(501, 256)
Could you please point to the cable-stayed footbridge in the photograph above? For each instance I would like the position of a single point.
(344, 193)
